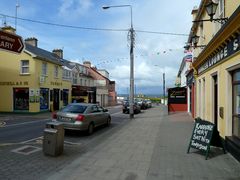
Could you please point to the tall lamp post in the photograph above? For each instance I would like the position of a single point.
(131, 33)
(163, 86)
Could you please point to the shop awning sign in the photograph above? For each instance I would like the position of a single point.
(11, 42)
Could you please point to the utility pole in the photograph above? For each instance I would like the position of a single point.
(164, 88)
(131, 38)
(131, 102)
(17, 6)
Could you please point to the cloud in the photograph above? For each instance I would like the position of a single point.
(73, 9)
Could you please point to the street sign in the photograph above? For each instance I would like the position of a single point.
(11, 42)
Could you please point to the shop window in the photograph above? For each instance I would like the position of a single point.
(44, 68)
(236, 104)
(21, 98)
(44, 98)
(24, 66)
(55, 71)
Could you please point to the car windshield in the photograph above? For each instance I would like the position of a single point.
(74, 109)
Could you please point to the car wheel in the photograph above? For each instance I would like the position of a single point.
(90, 129)
(108, 121)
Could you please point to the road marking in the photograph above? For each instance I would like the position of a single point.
(116, 113)
(24, 142)
(2, 123)
(30, 122)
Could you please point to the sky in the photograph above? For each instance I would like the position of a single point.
(154, 54)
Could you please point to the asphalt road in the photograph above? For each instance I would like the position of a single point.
(22, 129)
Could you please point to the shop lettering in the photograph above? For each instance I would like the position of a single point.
(232, 47)
(56, 83)
(20, 83)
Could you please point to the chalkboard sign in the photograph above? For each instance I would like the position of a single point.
(204, 135)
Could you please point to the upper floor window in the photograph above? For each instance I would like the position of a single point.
(55, 71)
(24, 67)
(44, 68)
(219, 14)
(74, 78)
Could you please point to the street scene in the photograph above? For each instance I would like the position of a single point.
(142, 90)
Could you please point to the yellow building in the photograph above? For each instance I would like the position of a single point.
(33, 81)
(217, 68)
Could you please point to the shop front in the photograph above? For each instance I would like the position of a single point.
(218, 84)
(83, 94)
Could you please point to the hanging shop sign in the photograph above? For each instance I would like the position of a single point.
(205, 135)
(229, 49)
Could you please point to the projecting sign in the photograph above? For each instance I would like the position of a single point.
(11, 42)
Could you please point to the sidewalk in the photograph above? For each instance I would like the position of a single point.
(152, 146)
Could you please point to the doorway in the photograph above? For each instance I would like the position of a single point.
(56, 99)
(215, 102)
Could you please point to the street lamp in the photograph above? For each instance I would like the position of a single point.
(194, 40)
(131, 33)
(211, 8)
(163, 86)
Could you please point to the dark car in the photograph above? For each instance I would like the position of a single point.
(82, 116)
(126, 108)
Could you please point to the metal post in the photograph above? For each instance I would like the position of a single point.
(164, 88)
(131, 33)
(131, 99)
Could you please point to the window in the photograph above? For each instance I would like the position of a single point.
(24, 66)
(219, 14)
(44, 68)
(236, 104)
(74, 78)
(21, 98)
(81, 83)
(55, 71)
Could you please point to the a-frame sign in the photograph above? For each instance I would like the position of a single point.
(204, 135)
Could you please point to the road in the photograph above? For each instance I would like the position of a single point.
(29, 128)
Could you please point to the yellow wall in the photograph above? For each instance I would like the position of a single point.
(10, 72)
(224, 93)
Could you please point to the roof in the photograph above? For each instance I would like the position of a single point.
(43, 54)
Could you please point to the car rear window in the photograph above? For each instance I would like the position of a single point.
(74, 109)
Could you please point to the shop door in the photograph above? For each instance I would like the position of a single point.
(56, 99)
(44, 98)
(215, 95)
(190, 99)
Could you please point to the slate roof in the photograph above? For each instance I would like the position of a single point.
(43, 54)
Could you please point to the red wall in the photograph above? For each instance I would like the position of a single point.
(177, 107)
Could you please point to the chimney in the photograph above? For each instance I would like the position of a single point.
(58, 52)
(87, 63)
(32, 41)
(9, 29)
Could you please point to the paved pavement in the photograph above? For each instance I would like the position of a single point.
(152, 146)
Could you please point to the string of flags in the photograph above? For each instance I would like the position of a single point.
(101, 61)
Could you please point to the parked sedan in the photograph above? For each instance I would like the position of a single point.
(82, 116)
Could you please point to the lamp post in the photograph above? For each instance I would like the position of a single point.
(131, 33)
(163, 85)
